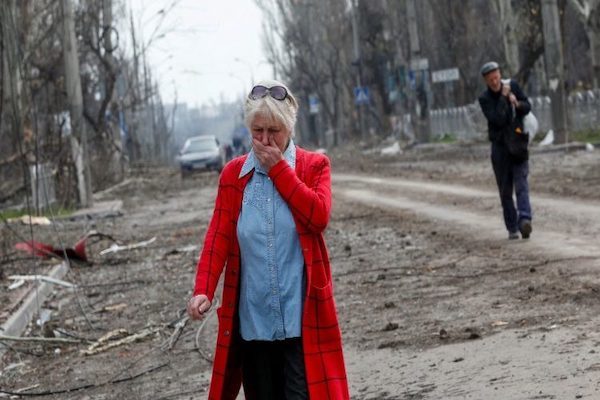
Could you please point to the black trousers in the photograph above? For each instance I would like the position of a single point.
(273, 370)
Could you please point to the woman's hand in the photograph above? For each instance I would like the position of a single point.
(197, 306)
(268, 155)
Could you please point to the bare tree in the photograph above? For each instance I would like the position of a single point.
(588, 12)
(305, 41)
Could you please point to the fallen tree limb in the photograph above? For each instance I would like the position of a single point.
(42, 278)
(179, 327)
(116, 248)
(102, 344)
(39, 339)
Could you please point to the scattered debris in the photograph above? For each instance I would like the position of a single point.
(76, 253)
(16, 284)
(12, 366)
(49, 340)
(589, 147)
(29, 220)
(101, 209)
(25, 389)
(473, 333)
(179, 327)
(88, 385)
(392, 150)
(114, 307)
(105, 343)
(548, 139)
(391, 344)
(42, 278)
(187, 249)
(391, 326)
(44, 316)
(114, 248)
(182, 250)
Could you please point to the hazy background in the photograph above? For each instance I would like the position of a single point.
(210, 49)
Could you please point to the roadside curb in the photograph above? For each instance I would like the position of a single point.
(17, 322)
(102, 209)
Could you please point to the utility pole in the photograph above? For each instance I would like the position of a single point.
(553, 57)
(110, 80)
(419, 107)
(75, 100)
(133, 143)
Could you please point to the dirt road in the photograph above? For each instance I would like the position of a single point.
(433, 301)
(568, 227)
(549, 357)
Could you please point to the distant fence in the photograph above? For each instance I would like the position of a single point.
(468, 122)
(42, 186)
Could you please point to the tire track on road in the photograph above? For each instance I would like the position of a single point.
(394, 193)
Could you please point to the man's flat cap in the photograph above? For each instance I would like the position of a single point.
(489, 67)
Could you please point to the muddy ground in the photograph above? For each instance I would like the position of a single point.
(433, 301)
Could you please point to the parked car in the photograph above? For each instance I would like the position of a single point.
(201, 153)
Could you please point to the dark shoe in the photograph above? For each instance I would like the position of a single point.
(513, 235)
(525, 228)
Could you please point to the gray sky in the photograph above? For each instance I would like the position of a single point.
(197, 56)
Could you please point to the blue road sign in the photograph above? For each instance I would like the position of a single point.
(313, 104)
(361, 95)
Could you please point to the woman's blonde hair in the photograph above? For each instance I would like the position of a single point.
(280, 111)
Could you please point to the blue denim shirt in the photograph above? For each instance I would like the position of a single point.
(272, 271)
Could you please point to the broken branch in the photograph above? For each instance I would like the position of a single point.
(38, 339)
(42, 278)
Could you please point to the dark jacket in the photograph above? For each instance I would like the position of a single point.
(498, 111)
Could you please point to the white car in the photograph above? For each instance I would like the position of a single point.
(201, 153)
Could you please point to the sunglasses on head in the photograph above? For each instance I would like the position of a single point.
(276, 92)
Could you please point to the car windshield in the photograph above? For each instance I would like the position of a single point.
(197, 146)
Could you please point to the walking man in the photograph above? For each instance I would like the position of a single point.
(501, 103)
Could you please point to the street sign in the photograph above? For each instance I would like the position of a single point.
(313, 104)
(412, 80)
(445, 75)
(361, 95)
(419, 64)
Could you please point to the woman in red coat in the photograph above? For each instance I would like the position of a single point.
(278, 330)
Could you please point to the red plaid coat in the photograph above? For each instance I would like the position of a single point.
(307, 191)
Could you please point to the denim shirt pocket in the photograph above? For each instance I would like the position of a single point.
(254, 193)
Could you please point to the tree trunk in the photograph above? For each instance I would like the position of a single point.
(554, 60)
(75, 101)
(509, 38)
(594, 36)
